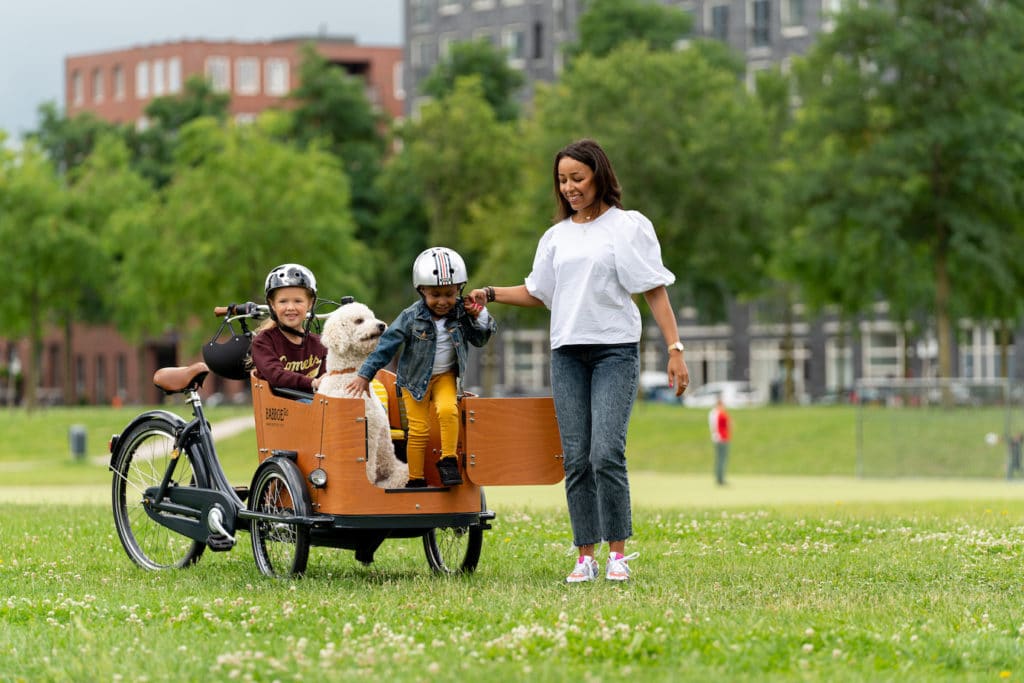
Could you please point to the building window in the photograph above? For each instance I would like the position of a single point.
(538, 40)
(444, 44)
(218, 73)
(419, 52)
(159, 78)
(142, 80)
(526, 361)
(419, 11)
(101, 380)
(449, 7)
(247, 76)
(121, 375)
(511, 3)
(398, 80)
(174, 75)
(77, 87)
(79, 376)
(275, 77)
(97, 85)
(761, 28)
(793, 13)
(483, 5)
(719, 24)
(513, 39)
(118, 82)
(882, 351)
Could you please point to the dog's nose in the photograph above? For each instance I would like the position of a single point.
(381, 326)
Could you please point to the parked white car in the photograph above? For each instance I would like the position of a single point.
(734, 395)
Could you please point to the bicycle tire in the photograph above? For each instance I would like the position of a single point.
(455, 550)
(280, 549)
(145, 452)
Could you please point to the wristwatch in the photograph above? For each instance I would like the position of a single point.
(678, 346)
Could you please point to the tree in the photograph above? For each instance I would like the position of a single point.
(154, 144)
(43, 251)
(908, 154)
(691, 150)
(467, 167)
(68, 141)
(606, 25)
(97, 190)
(500, 83)
(239, 204)
(332, 111)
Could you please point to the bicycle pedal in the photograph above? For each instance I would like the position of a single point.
(219, 543)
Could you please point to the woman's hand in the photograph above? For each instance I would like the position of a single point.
(678, 373)
(472, 307)
(477, 296)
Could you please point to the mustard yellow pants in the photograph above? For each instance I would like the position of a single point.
(442, 392)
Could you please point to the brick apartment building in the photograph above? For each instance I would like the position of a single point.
(117, 85)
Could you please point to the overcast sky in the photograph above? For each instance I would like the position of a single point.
(36, 35)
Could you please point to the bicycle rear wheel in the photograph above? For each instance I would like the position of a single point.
(144, 453)
(280, 548)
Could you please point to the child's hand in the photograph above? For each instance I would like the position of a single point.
(472, 307)
(358, 386)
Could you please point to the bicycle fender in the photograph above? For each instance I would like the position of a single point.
(115, 439)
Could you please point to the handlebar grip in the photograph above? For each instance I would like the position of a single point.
(247, 309)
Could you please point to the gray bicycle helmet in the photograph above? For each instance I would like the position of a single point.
(291, 275)
(439, 267)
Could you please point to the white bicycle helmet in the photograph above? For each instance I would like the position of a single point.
(439, 267)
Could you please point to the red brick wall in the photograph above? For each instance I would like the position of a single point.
(375, 64)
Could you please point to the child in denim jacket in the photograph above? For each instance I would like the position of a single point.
(436, 332)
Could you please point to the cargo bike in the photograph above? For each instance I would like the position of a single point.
(172, 500)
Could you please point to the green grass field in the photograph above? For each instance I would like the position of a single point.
(796, 571)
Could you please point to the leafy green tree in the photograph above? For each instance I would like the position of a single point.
(403, 231)
(99, 188)
(500, 82)
(691, 148)
(68, 141)
(606, 25)
(239, 203)
(908, 153)
(43, 252)
(467, 165)
(154, 144)
(332, 111)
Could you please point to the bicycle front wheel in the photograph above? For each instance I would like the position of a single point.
(145, 452)
(280, 547)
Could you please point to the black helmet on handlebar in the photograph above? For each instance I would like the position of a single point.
(291, 275)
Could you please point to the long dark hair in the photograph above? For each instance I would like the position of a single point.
(587, 151)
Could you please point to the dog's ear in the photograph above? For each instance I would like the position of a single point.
(329, 335)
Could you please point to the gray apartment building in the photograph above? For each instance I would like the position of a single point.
(756, 343)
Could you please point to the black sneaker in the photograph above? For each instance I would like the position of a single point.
(416, 484)
(449, 469)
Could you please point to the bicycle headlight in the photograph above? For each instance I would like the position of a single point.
(318, 478)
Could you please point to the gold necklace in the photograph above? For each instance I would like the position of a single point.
(587, 219)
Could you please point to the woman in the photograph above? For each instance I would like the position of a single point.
(586, 268)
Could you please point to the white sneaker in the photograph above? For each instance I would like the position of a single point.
(585, 570)
(618, 569)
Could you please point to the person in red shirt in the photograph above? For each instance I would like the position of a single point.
(284, 351)
(719, 423)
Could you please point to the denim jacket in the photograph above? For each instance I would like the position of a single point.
(414, 327)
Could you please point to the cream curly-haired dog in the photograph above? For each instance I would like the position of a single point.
(351, 334)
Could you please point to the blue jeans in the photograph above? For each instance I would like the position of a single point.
(594, 387)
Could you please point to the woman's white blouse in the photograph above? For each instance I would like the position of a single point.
(586, 273)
